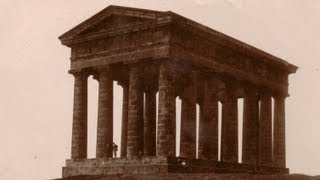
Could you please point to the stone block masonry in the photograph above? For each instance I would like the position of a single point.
(149, 52)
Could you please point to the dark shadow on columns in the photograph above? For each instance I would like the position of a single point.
(229, 136)
(150, 123)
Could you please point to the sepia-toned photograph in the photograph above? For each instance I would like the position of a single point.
(160, 90)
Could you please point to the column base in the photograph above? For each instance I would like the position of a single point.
(158, 165)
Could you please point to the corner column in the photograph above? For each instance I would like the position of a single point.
(265, 131)
(79, 124)
(124, 126)
(279, 141)
(135, 112)
(250, 128)
(166, 112)
(105, 114)
(229, 133)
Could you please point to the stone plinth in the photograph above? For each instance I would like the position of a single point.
(159, 165)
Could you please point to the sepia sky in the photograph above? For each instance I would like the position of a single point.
(36, 92)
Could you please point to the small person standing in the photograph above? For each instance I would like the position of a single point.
(115, 149)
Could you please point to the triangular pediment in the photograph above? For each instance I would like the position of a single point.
(112, 17)
(113, 22)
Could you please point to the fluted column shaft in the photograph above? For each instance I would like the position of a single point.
(105, 114)
(150, 124)
(250, 129)
(229, 134)
(135, 112)
(124, 126)
(166, 112)
(265, 132)
(279, 141)
(79, 125)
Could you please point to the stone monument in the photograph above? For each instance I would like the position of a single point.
(149, 52)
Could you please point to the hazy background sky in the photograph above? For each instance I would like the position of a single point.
(36, 92)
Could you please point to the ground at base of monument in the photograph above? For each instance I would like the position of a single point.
(192, 176)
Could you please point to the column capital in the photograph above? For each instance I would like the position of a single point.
(133, 66)
(280, 96)
(265, 92)
(102, 68)
(251, 90)
(227, 97)
(83, 72)
(123, 84)
(152, 90)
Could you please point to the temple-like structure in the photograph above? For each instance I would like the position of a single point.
(149, 52)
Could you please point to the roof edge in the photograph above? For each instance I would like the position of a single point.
(113, 8)
(290, 67)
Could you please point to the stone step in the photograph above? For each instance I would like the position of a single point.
(192, 176)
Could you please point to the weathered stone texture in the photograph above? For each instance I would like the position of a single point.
(150, 124)
(148, 51)
(135, 112)
(105, 114)
(188, 136)
(229, 132)
(265, 131)
(79, 126)
(188, 129)
(196, 176)
(208, 124)
(166, 112)
(158, 166)
(250, 129)
(279, 140)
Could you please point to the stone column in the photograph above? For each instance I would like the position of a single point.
(105, 114)
(229, 133)
(135, 112)
(188, 128)
(250, 128)
(166, 112)
(208, 125)
(279, 140)
(188, 136)
(79, 124)
(150, 123)
(124, 126)
(265, 131)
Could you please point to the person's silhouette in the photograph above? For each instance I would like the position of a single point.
(115, 149)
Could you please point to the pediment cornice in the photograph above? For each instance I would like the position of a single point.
(111, 11)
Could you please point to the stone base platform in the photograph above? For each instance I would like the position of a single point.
(196, 176)
(158, 165)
